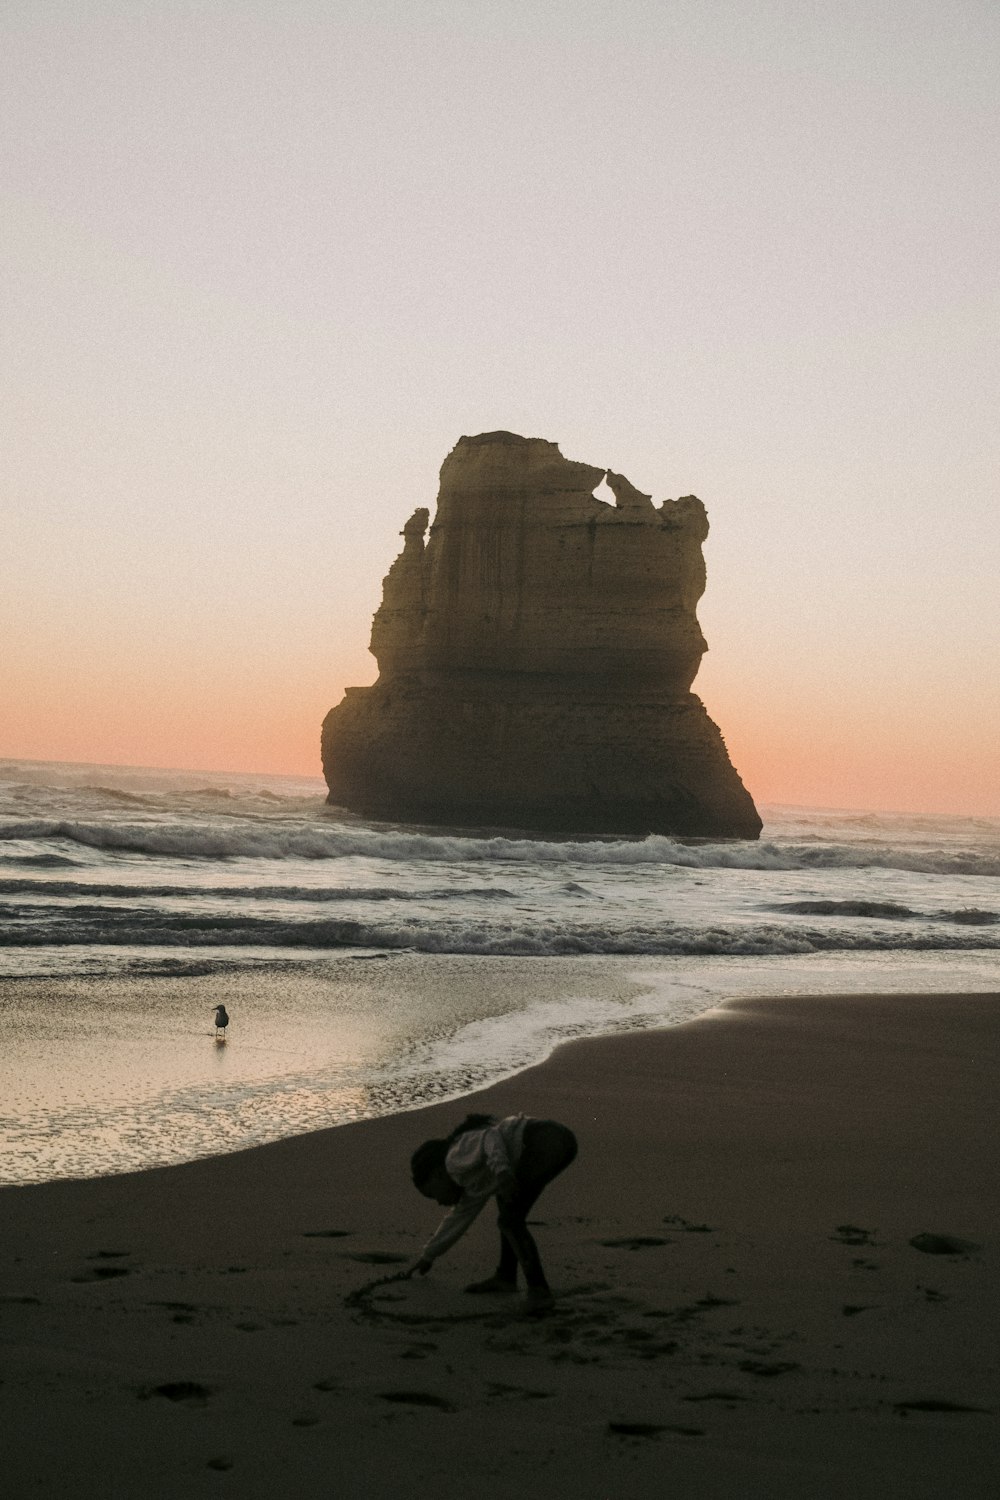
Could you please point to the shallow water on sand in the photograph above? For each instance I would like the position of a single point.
(103, 1076)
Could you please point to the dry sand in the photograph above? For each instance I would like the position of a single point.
(741, 1312)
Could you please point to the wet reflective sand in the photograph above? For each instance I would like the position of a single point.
(110, 1075)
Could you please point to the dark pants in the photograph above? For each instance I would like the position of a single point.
(548, 1150)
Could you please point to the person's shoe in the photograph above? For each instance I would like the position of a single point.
(538, 1302)
(492, 1284)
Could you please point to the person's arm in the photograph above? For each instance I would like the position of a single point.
(452, 1227)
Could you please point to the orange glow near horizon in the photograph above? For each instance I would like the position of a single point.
(208, 720)
(826, 755)
(192, 691)
(271, 725)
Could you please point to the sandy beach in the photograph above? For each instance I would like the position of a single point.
(742, 1309)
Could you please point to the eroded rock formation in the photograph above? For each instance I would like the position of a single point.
(536, 652)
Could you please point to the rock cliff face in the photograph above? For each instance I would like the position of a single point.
(536, 652)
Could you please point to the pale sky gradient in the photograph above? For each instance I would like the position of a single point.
(264, 263)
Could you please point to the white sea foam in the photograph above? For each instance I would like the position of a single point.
(82, 924)
(190, 840)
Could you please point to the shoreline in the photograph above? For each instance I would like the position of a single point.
(740, 1309)
(107, 1077)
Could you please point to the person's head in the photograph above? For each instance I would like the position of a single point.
(429, 1174)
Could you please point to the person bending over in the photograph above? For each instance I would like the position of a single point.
(511, 1160)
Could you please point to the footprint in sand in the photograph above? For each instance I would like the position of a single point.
(326, 1234)
(222, 1463)
(374, 1257)
(943, 1244)
(695, 1309)
(178, 1390)
(636, 1429)
(728, 1397)
(179, 1307)
(517, 1392)
(417, 1398)
(102, 1273)
(933, 1404)
(851, 1234)
(768, 1368)
(635, 1242)
(419, 1351)
(651, 1429)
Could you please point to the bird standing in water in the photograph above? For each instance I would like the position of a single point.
(221, 1021)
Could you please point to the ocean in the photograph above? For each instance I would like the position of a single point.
(370, 968)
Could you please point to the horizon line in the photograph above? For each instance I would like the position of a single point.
(816, 807)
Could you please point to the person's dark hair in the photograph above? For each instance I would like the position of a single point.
(427, 1159)
(430, 1156)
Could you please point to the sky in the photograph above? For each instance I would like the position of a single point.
(264, 263)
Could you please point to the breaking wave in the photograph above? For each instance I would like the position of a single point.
(969, 916)
(82, 925)
(878, 909)
(315, 841)
(91, 889)
(38, 861)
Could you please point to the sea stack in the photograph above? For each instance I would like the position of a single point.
(536, 651)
